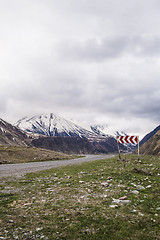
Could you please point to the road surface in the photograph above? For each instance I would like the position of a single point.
(20, 169)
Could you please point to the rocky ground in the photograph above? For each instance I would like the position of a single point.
(106, 199)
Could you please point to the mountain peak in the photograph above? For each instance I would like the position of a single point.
(53, 125)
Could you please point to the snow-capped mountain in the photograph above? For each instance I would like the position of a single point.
(104, 130)
(53, 125)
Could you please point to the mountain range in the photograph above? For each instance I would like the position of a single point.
(53, 125)
(52, 132)
(57, 133)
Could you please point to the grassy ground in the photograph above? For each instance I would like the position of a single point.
(83, 202)
(18, 154)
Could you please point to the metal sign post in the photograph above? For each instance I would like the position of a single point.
(128, 140)
(118, 150)
(138, 148)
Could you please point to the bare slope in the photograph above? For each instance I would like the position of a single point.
(149, 135)
(11, 135)
(152, 146)
(20, 154)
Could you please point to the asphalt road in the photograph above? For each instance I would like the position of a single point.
(20, 169)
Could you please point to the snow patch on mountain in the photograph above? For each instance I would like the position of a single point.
(53, 125)
(104, 129)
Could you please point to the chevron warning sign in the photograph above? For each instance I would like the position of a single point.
(127, 139)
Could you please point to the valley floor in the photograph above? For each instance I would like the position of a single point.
(105, 199)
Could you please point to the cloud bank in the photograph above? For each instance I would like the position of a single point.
(93, 61)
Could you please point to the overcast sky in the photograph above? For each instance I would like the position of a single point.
(92, 61)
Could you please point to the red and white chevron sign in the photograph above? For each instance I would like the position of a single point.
(127, 139)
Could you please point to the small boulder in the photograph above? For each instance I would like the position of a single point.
(123, 198)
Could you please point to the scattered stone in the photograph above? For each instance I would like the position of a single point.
(27, 204)
(149, 186)
(140, 214)
(87, 230)
(134, 211)
(109, 178)
(123, 198)
(109, 181)
(113, 206)
(81, 181)
(135, 192)
(158, 209)
(139, 187)
(83, 172)
(121, 186)
(42, 237)
(11, 221)
(103, 195)
(153, 220)
(120, 202)
(39, 229)
(104, 184)
(69, 177)
(144, 171)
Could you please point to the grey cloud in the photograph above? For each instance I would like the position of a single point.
(127, 98)
(103, 49)
(149, 47)
(3, 104)
(92, 49)
(99, 57)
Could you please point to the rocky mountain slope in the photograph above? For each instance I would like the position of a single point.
(11, 135)
(63, 135)
(53, 125)
(55, 133)
(149, 135)
(152, 145)
(77, 145)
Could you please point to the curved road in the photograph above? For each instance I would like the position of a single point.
(19, 169)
